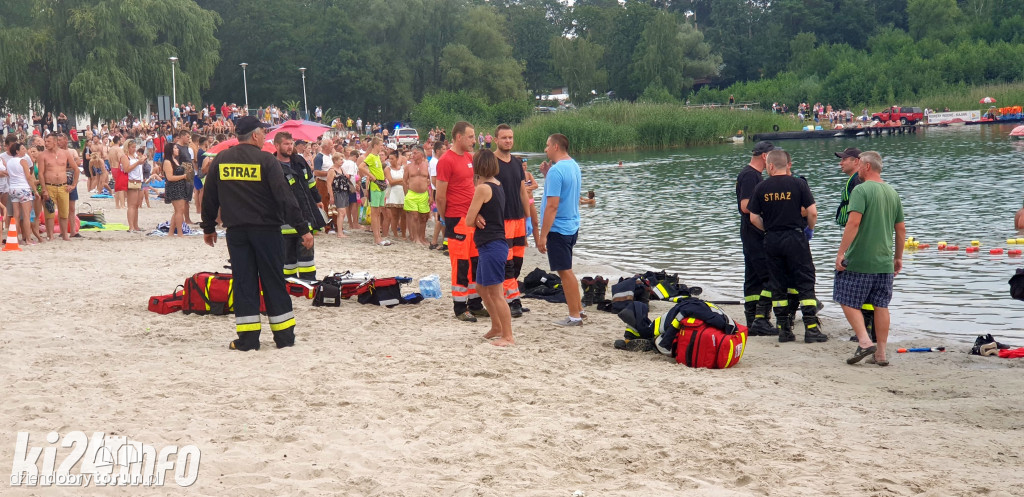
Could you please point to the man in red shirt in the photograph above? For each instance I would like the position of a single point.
(455, 189)
(225, 111)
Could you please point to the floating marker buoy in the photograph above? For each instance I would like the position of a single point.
(1020, 241)
(954, 248)
(975, 243)
(923, 246)
(996, 251)
(1011, 241)
(942, 244)
(971, 249)
(1013, 252)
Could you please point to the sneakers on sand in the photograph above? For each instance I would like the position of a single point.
(568, 321)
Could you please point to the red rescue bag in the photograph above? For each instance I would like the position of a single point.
(701, 346)
(209, 293)
(166, 304)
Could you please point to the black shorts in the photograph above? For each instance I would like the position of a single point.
(560, 250)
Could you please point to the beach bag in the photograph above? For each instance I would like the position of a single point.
(166, 304)
(380, 291)
(209, 293)
(699, 345)
(327, 295)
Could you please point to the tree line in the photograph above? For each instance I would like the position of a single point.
(377, 59)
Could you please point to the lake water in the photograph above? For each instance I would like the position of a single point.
(676, 210)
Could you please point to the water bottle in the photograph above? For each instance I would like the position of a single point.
(430, 286)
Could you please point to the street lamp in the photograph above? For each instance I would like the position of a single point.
(304, 102)
(174, 83)
(245, 84)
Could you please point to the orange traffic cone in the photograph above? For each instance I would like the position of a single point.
(12, 237)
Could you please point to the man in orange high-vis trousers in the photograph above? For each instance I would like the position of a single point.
(517, 200)
(455, 189)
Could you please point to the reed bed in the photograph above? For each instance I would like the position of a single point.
(642, 126)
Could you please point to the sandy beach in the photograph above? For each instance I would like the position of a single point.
(410, 402)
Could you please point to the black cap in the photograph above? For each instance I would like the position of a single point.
(301, 142)
(763, 147)
(850, 152)
(248, 124)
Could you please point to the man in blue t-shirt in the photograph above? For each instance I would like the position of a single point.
(560, 217)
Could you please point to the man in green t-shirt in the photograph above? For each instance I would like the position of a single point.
(370, 167)
(870, 255)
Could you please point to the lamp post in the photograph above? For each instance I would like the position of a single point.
(304, 102)
(245, 84)
(174, 82)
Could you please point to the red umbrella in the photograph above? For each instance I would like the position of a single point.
(226, 144)
(301, 130)
(987, 100)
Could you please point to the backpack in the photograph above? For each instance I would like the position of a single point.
(327, 295)
(209, 293)
(701, 346)
(380, 291)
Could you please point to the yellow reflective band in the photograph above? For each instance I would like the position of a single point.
(711, 305)
(632, 331)
(280, 326)
(241, 328)
(868, 307)
(808, 302)
(815, 325)
(307, 269)
(657, 326)
(291, 181)
(780, 303)
(792, 291)
(766, 293)
(661, 290)
(751, 298)
(691, 320)
(290, 271)
(675, 323)
(289, 231)
(241, 172)
(728, 359)
(231, 294)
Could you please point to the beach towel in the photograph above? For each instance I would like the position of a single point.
(101, 195)
(87, 226)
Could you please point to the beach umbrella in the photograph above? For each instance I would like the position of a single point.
(987, 100)
(268, 146)
(300, 130)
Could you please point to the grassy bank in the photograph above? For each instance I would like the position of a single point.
(963, 97)
(641, 126)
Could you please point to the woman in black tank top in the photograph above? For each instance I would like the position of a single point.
(488, 208)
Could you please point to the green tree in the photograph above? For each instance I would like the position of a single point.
(481, 60)
(936, 18)
(577, 61)
(106, 57)
(672, 55)
(532, 26)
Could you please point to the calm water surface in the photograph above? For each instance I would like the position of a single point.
(676, 210)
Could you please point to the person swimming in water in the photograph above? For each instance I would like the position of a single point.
(589, 199)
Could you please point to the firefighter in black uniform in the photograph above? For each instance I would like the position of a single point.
(778, 207)
(757, 300)
(298, 260)
(247, 187)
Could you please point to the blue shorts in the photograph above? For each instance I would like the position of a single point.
(490, 266)
(197, 182)
(73, 195)
(856, 289)
(560, 250)
(352, 198)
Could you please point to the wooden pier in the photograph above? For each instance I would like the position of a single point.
(837, 133)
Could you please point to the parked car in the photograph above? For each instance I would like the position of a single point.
(904, 115)
(407, 136)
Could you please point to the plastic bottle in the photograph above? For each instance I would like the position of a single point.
(430, 286)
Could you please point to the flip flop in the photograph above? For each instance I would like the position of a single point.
(384, 243)
(860, 354)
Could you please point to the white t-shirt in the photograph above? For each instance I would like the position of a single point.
(326, 165)
(16, 172)
(349, 168)
(432, 167)
(135, 174)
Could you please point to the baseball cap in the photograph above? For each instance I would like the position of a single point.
(301, 142)
(850, 152)
(248, 124)
(763, 147)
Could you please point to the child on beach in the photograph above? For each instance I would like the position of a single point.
(489, 204)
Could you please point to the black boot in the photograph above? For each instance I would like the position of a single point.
(516, 308)
(600, 289)
(785, 328)
(285, 338)
(749, 312)
(812, 328)
(761, 325)
(869, 323)
(247, 340)
(587, 284)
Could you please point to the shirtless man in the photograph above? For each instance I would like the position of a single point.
(115, 155)
(417, 200)
(1018, 219)
(53, 171)
(74, 173)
